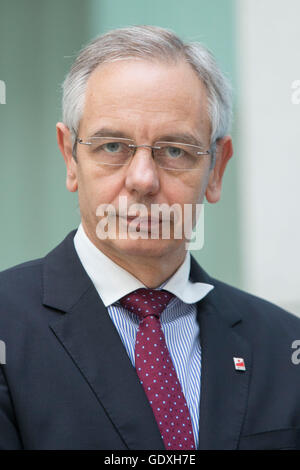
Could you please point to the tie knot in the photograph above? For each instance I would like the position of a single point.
(144, 302)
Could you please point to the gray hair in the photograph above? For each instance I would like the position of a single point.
(147, 43)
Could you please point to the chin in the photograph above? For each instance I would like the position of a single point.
(147, 248)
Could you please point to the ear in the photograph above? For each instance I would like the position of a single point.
(224, 152)
(65, 145)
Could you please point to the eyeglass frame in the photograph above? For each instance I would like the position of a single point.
(210, 151)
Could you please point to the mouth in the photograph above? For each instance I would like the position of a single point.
(141, 223)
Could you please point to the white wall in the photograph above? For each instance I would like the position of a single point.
(268, 40)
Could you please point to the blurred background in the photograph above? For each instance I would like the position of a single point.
(252, 235)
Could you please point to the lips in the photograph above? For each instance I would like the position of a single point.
(144, 220)
(141, 223)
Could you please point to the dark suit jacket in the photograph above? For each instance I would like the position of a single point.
(69, 384)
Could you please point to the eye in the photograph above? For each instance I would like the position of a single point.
(112, 147)
(174, 152)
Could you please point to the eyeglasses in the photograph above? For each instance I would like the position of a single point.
(117, 151)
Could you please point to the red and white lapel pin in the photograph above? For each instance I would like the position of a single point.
(239, 363)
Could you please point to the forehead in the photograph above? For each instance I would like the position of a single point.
(145, 96)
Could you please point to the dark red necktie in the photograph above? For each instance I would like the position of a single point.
(155, 369)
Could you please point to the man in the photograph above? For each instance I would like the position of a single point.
(118, 339)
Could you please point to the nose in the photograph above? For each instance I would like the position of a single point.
(142, 173)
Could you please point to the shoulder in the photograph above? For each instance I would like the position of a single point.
(253, 303)
(27, 278)
(20, 292)
(21, 286)
(238, 306)
(259, 316)
(20, 277)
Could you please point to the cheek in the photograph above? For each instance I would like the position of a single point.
(187, 189)
(98, 186)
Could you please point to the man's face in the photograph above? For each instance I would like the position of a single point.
(146, 102)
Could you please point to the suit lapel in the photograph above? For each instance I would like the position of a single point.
(90, 338)
(224, 390)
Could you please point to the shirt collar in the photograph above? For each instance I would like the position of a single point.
(113, 282)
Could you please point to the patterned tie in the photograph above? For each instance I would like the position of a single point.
(155, 369)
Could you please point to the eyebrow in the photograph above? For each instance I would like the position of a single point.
(184, 138)
(106, 132)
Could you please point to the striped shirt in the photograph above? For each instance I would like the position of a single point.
(181, 332)
(178, 320)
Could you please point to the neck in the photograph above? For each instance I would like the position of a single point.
(152, 269)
